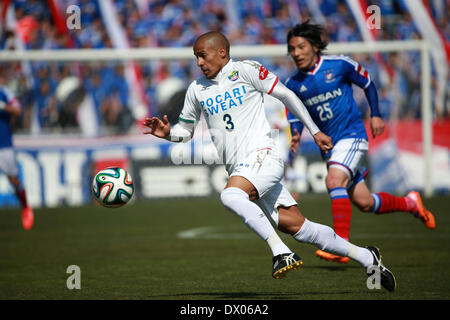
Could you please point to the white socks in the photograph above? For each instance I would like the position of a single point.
(277, 245)
(327, 240)
(238, 202)
(317, 234)
(362, 255)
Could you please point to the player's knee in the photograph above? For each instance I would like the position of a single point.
(334, 181)
(364, 205)
(231, 196)
(363, 202)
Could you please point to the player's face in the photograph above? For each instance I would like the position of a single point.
(302, 52)
(209, 59)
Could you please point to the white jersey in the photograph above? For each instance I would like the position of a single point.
(233, 106)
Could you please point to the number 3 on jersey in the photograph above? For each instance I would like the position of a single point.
(324, 111)
(230, 124)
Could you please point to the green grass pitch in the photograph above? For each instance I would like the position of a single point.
(193, 249)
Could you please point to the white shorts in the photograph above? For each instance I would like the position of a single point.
(8, 163)
(264, 169)
(347, 155)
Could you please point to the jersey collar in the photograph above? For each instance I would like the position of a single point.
(316, 67)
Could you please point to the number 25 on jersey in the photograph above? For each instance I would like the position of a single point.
(325, 113)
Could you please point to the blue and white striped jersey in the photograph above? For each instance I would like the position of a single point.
(327, 93)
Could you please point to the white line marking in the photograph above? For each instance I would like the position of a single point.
(212, 233)
(220, 233)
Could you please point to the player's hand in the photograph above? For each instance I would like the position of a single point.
(157, 127)
(295, 141)
(323, 141)
(377, 126)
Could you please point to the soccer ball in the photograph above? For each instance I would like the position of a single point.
(112, 187)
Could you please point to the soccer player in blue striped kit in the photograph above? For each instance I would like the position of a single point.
(10, 106)
(324, 84)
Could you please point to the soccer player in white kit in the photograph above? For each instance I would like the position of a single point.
(230, 95)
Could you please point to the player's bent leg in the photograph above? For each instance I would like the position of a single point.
(292, 221)
(289, 221)
(237, 200)
(326, 239)
(344, 170)
(387, 203)
(361, 197)
(383, 202)
(341, 207)
(271, 202)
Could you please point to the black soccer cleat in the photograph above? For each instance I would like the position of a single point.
(282, 263)
(387, 278)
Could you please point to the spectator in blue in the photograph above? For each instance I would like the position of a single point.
(98, 92)
(47, 108)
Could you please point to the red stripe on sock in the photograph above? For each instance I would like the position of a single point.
(341, 210)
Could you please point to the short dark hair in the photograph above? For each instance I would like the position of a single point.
(219, 39)
(311, 32)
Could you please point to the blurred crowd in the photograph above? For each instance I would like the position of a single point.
(52, 104)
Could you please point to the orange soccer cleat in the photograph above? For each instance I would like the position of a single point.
(331, 257)
(27, 218)
(422, 213)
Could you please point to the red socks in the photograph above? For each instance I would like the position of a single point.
(341, 209)
(386, 203)
(22, 196)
